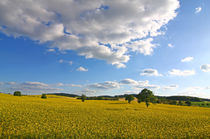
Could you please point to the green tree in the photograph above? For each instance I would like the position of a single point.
(188, 103)
(83, 97)
(44, 96)
(129, 98)
(17, 93)
(147, 102)
(146, 96)
(180, 102)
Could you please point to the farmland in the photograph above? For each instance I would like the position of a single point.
(64, 117)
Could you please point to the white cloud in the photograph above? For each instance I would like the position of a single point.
(142, 46)
(170, 87)
(150, 72)
(34, 87)
(88, 26)
(205, 68)
(82, 69)
(177, 72)
(138, 84)
(170, 45)
(65, 61)
(105, 85)
(129, 82)
(198, 10)
(67, 85)
(85, 91)
(61, 61)
(187, 59)
(51, 50)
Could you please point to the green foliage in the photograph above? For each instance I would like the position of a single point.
(17, 93)
(83, 97)
(188, 103)
(44, 96)
(129, 98)
(147, 96)
(180, 102)
(172, 102)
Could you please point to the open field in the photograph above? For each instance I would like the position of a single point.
(60, 117)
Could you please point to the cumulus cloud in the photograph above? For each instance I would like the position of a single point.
(85, 91)
(198, 9)
(142, 46)
(50, 50)
(177, 72)
(82, 69)
(205, 68)
(187, 59)
(128, 82)
(68, 85)
(150, 72)
(105, 85)
(170, 45)
(147, 85)
(138, 84)
(102, 29)
(34, 87)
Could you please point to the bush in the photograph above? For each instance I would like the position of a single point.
(44, 96)
(180, 102)
(188, 103)
(17, 93)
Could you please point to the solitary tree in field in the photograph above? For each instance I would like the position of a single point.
(44, 96)
(129, 98)
(83, 97)
(146, 96)
(17, 93)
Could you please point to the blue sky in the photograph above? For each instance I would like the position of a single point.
(67, 47)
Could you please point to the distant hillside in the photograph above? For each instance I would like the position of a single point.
(64, 94)
(107, 97)
(182, 98)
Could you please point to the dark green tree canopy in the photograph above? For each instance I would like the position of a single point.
(188, 103)
(83, 97)
(44, 96)
(146, 95)
(129, 98)
(17, 93)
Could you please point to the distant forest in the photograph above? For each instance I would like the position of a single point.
(106, 97)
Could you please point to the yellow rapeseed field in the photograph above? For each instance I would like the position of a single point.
(62, 117)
